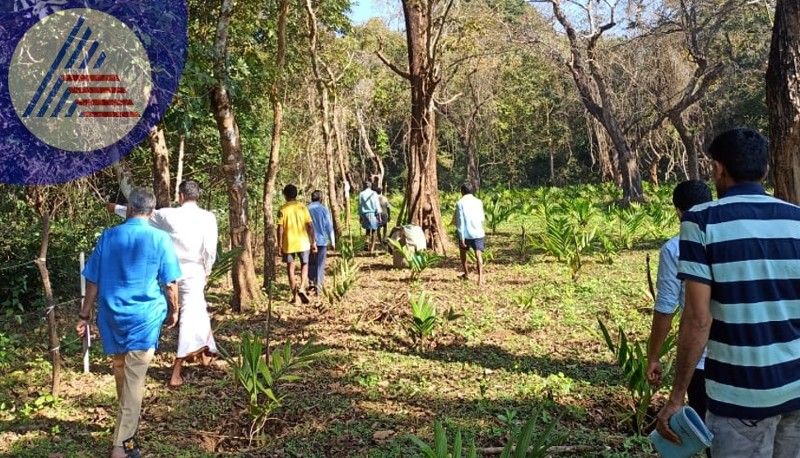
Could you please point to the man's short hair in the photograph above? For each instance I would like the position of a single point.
(316, 196)
(690, 193)
(141, 202)
(290, 192)
(466, 188)
(190, 190)
(743, 152)
(367, 185)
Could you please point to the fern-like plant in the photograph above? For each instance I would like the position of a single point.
(344, 275)
(498, 211)
(631, 357)
(441, 446)
(528, 444)
(416, 261)
(262, 379)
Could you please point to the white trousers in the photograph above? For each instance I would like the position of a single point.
(194, 330)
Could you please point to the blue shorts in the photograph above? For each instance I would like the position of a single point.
(476, 244)
(292, 257)
(370, 222)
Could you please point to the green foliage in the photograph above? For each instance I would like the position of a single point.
(7, 350)
(631, 357)
(569, 232)
(499, 210)
(224, 265)
(417, 261)
(344, 275)
(441, 447)
(628, 222)
(424, 319)
(528, 444)
(487, 255)
(262, 379)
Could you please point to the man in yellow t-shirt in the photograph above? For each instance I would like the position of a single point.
(295, 240)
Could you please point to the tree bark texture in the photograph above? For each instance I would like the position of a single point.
(245, 288)
(324, 110)
(783, 99)
(52, 323)
(271, 172)
(179, 172)
(691, 141)
(342, 160)
(594, 93)
(160, 154)
(378, 169)
(422, 185)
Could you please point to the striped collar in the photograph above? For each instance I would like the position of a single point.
(743, 189)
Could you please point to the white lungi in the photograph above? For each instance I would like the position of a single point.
(194, 330)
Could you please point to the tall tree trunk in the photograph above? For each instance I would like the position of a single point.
(377, 163)
(422, 185)
(271, 172)
(245, 288)
(342, 160)
(179, 172)
(323, 105)
(783, 98)
(691, 142)
(52, 323)
(160, 153)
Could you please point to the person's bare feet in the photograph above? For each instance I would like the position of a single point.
(118, 452)
(175, 382)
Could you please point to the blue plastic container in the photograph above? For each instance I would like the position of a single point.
(695, 437)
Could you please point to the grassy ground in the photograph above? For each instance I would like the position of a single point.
(528, 344)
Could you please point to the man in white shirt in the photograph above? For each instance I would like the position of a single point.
(194, 235)
(468, 219)
(369, 210)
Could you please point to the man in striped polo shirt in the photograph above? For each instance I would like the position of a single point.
(740, 259)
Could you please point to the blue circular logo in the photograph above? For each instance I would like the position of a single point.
(83, 82)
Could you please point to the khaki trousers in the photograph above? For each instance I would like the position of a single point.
(130, 371)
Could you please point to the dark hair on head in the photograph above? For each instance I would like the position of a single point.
(367, 185)
(466, 188)
(316, 196)
(190, 190)
(743, 152)
(690, 193)
(290, 192)
(379, 190)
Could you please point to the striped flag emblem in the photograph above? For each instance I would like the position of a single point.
(75, 84)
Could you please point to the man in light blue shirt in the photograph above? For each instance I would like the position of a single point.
(125, 275)
(325, 237)
(369, 209)
(669, 297)
(468, 219)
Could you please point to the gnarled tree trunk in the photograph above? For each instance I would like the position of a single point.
(245, 288)
(160, 154)
(783, 98)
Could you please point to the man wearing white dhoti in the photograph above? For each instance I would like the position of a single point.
(194, 234)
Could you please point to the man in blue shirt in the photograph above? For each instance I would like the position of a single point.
(669, 296)
(125, 275)
(740, 260)
(468, 219)
(324, 236)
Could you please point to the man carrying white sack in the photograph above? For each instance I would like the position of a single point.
(194, 234)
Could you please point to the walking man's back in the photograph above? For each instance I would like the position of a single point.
(740, 258)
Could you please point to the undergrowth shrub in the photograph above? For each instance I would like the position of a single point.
(263, 379)
(631, 357)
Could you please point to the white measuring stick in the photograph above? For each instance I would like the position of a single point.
(87, 338)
